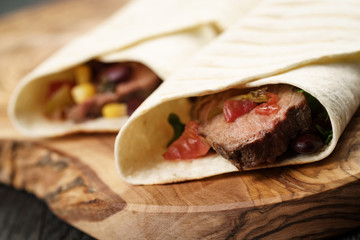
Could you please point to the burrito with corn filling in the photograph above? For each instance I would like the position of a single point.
(276, 89)
(97, 81)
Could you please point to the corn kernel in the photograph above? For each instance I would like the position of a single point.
(113, 110)
(82, 92)
(82, 74)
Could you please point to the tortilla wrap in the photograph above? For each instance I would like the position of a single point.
(160, 34)
(312, 45)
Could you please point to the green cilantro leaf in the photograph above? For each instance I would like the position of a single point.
(177, 125)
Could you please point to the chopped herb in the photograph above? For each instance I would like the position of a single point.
(324, 115)
(313, 103)
(177, 125)
(318, 111)
(326, 135)
(107, 87)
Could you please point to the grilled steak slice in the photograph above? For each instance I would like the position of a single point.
(142, 83)
(253, 139)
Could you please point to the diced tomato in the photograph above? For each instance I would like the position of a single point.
(189, 145)
(273, 97)
(56, 85)
(236, 108)
(269, 107)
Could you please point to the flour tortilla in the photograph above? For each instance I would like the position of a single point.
(161, 34)
(312, 45)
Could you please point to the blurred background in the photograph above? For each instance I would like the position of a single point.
(7, 6)
(22, 215)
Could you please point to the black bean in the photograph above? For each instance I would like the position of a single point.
(133, 104)
(307, 143)
(116, 73)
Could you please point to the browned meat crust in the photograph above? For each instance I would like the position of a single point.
(254, 139)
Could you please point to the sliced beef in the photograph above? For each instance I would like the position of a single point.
(253, 139)
(143, 82)
(91, 108)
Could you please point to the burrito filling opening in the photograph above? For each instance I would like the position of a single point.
(252, 127)
(99, 89)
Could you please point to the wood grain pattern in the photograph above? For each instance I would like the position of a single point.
(260, 204)
(55, 177)
(76, 175)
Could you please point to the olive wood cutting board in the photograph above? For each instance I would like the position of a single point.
(77, 178)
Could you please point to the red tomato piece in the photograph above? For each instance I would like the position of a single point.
(269, 107)
(273, 97)
(56, 85)
(189, 145)
(236, 108)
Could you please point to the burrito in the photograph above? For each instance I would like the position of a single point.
(278, 88)
(97, 81)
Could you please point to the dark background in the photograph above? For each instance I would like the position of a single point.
(7, 6)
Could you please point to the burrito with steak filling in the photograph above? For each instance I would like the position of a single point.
(97, 81)
(276, 89)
